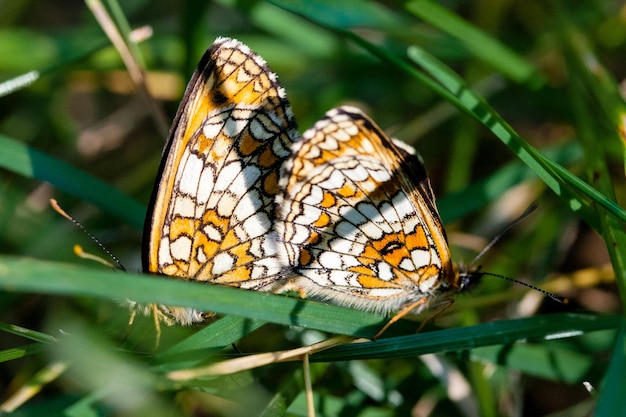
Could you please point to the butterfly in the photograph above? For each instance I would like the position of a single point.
(342, 213)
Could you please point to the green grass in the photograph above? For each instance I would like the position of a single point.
(508, 105)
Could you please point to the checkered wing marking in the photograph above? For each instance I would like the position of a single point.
(212, 210)
(358, 217)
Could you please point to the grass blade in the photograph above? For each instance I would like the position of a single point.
(30, 163)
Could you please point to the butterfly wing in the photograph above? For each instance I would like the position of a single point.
(212, 210)
(358, 217)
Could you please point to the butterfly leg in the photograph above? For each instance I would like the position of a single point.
(157, 325)
(406, 310)
(434, 314)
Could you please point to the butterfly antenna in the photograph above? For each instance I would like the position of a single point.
(555, 297)
(77, 249)
(495, 240)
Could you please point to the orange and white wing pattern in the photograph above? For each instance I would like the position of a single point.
(358, 218)
(344, 213)
(211, 216)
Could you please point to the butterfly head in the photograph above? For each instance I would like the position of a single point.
(467, 277)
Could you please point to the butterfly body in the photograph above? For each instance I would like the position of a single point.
(343, 213)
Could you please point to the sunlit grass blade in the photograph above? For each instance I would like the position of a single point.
(602, 146)
(345, 14)
(34, 385)
(120, 38)
(202, 344)
(85, 407)
(247, 362)
(561, 181)
(598, 161)
(480, 44)
(23, 274)
(463, 338)
(613, 387)
(27, 333)
(30, 163)
(121, 22)
(543, 361)
(24, 80)
(20, 352)
(218, 335)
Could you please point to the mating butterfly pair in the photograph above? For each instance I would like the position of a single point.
(343, 213)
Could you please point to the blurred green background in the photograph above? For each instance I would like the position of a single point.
(553, 72)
